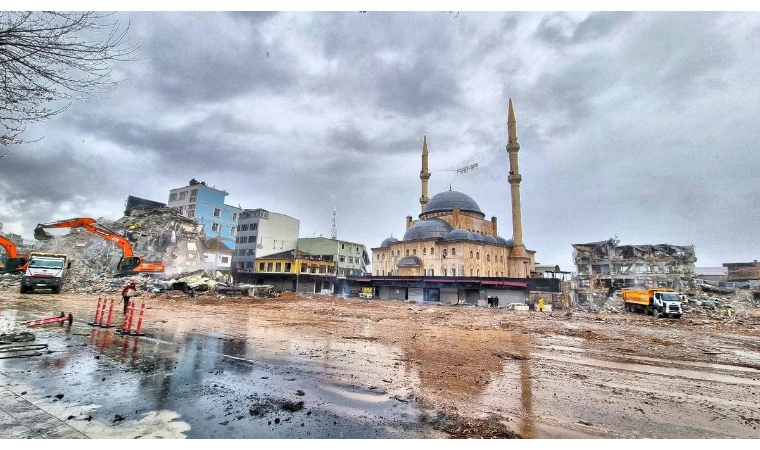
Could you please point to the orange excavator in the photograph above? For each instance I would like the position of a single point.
(13, 263)
(128, 264)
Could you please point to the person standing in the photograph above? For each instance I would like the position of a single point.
(541, 304)
(129, 291)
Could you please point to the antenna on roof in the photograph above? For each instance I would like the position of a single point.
(334, 230)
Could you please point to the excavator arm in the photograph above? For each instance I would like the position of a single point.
(9, 246)
(14, 262)
(129, 263)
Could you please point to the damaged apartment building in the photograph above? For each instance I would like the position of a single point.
(604, 267)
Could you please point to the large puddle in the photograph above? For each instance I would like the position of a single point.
(196, 386)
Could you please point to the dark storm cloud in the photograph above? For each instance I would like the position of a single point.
(671, 54)
(56, 177)
(417, 89)
(209, 57)
(554, 29)
(401, 60)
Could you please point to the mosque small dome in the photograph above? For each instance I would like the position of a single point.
(427, 229)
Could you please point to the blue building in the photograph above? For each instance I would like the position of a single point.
(206, 205)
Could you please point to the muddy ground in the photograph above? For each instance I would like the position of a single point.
(480, 372)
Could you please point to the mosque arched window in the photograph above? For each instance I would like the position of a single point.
(470, 253)
(432, 250)
(453, 251)
(424, 251)
(414, 252)
(477, 255)
(488, 258)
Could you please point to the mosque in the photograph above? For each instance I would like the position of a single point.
(452, 253)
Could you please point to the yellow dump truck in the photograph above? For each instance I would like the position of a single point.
(658, 302)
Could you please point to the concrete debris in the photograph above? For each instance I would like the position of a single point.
(700, 301)
(161, 234)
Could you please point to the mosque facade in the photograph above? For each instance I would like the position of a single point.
(453, 238)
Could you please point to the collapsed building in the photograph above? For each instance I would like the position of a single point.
(604, 267)
(157, 234)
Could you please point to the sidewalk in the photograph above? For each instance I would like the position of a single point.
(20, 419)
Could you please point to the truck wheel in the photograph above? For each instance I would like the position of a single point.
(57, 290)
(22, 290)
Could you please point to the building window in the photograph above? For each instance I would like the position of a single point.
(254, 226)
(269, 267)
(432, 273)
(261, 267)
(215, 227)
(477, 255)
(350, 259)
(488, 258)
(217, 212)
(414, 252)
(182, 195)
(342, 258)
(453, 272)
(303, 268)
(287, 267)
(191, 212)
(432, 251)
(424, 251)
(251, 252)
(234, 217)
(232, 231)
(453, 251)
(173, 197)
(342, 246)
(470, 253)
(278, 267)
(501, 259)
(249, 264)
(225, 259)
(407, 252)
(194, 192)
(193, 199)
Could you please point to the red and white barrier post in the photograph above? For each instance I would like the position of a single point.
(60, 319)
(138, 330)
(96, 320)
(110, 316)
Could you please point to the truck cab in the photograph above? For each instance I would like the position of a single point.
(45, 271)
(667, 304)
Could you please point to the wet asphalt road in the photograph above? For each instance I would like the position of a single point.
(93, 382)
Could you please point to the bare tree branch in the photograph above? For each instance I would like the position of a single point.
(46, 57)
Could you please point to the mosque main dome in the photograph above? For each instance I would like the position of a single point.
(448, 200)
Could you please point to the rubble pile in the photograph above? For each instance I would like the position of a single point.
(702, 302)
(10, 280)
(157, 235)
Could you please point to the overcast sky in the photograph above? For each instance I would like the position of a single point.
(644, 126)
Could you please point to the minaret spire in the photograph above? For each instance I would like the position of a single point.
(518, 254)
(424, 174)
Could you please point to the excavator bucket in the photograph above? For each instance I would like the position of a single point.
(41, 235)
